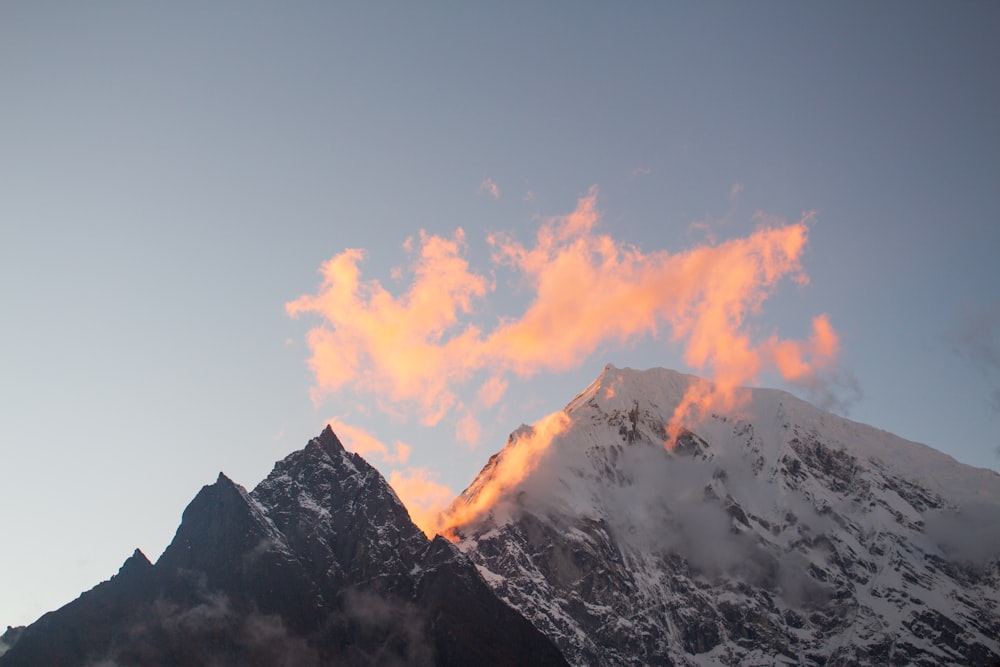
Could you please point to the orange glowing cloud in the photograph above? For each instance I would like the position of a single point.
(362, 442)
(609, 391)
(492, 391)
(509, 468)
(790, 357)
(468, 429)
(424, 497)
(396, 347)
(584, 289)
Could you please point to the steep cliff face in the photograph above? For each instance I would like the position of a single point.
(320, 564)
(777, 534)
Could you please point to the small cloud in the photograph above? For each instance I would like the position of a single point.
(490, 187)
(360, 441)
(966, 534)
(975, 337)
(492, 391)
(468, 429)
(640, 171)
(402, 454)
(425, 498)
(710, 224)
(529, 196)
(812, 367)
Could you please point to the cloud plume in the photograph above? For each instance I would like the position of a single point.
(425, 498)
(975, 337)
(423, 348)
(506, 470)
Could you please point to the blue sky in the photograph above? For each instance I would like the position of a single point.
(172, 175)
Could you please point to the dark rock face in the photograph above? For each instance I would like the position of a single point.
(10, 637)
(319, 565)
(98, 618)
(340, 516)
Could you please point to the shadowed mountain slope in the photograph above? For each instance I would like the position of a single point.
(319, 565)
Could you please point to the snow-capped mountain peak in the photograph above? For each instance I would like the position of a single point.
(776, 529)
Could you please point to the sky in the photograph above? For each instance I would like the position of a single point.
(225, 225)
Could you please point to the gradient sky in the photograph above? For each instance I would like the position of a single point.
(172, 174)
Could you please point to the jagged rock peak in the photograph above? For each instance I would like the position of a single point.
(329, 441)
(224, 487)
(324, 450)
(137, 562)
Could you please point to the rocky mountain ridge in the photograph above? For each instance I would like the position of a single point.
(320, 564)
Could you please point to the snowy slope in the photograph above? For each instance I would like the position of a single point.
(774, 534)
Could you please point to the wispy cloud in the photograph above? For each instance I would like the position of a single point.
(357, 439)
(492, 391)
(975, 337)
(489, 187)
(710, 226)
(825, 383)
(425, 498)
(467, 428)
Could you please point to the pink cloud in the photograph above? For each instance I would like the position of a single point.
(425, 498)
(362, 442)
(490, 187)
(415, 351)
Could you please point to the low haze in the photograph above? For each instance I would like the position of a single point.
(225, 226)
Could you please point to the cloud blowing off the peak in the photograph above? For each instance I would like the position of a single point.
(424, 351)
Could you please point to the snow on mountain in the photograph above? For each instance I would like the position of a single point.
(774, 534)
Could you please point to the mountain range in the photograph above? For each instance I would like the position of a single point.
(318, 565)
(769, 533)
